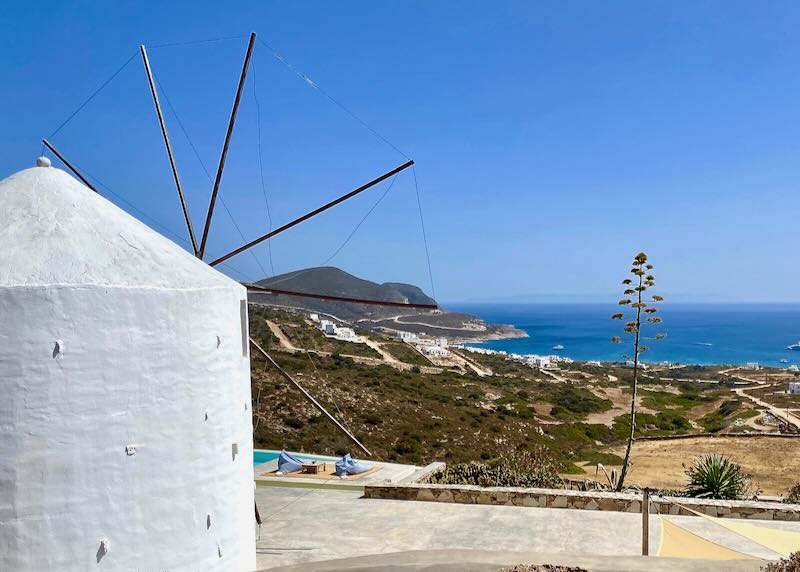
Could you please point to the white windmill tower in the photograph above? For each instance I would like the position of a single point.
(126, 426)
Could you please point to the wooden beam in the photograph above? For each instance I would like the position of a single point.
(308, 396)
(315, 212)
(645, 522)
(69, 165)
(268, 290)
(226, 144)
(165, 135)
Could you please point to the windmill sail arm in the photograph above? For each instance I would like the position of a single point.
(308, 396)
(228, 134)
(69, 165)
(313, 213)
(168, 147)
(276, 291)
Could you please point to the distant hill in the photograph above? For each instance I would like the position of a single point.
(336, 282)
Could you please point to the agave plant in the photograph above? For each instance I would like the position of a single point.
(718, 477)
(612, 479)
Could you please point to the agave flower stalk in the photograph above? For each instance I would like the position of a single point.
(635, 293)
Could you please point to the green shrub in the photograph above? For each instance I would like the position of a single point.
(570, 402)
(718, 477)
(717, 420)
(793, 496)
(294, 422)
(729, 407)
(535, 468)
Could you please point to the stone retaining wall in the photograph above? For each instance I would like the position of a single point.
(556, 498)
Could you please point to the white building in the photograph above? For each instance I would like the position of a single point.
(442, 342)
(541, 362)
(435, 351)
(327, 327)
(752, 365)
(793, 368)
(124, 370)
(314, 317)
(794, 388)
(409, 337)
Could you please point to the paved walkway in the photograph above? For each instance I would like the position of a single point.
(308, 525)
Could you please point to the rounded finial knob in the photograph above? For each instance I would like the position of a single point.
(42, 162)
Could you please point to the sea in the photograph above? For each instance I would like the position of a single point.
(700, 334)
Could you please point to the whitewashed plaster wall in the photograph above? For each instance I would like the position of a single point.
(125, 422)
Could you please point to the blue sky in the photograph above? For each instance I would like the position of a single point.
(553, 140)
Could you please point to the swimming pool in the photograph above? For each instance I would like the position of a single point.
(266, 455)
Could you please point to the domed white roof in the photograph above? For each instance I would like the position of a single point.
(56, 231)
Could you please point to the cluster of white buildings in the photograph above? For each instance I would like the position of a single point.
(794, 388)
(532, 360)
(432, 348)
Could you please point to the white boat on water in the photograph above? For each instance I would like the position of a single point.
(784, 360)
(795, 347)
(558, 347)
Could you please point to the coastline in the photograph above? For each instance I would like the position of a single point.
(696, 334)
(503, 332)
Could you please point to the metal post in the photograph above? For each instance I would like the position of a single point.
(169, 148)
(308, 396)
(227, 142)
(68, 165)
(645, 522)
(315, 212)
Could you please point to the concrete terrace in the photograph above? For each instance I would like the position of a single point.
(302, 526)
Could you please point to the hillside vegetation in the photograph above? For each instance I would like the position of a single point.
(417, 416)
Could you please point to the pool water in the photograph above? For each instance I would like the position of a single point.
(263, 456)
